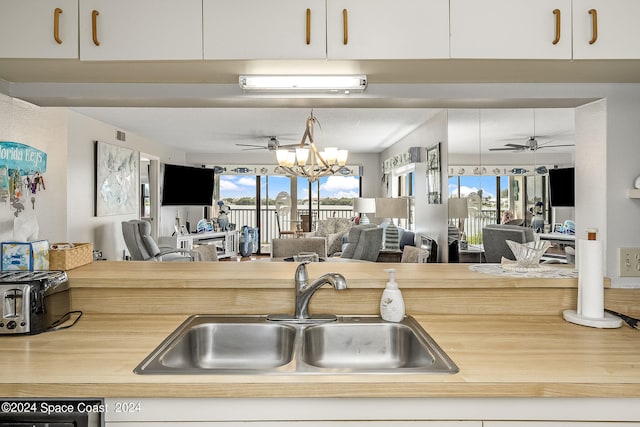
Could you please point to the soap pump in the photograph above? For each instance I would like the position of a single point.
(392, 304)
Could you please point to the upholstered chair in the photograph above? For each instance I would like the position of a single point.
(288, 247)
(142, 247)
(495, 236)
(364, 243)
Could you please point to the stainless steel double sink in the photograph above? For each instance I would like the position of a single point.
(206, 344)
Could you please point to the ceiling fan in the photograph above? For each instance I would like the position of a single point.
(531, 144)
(273, 143)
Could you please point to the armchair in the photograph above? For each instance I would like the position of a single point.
(142, 247)
(283, 248)
(333, 230)
(494, 237)
(365, 242)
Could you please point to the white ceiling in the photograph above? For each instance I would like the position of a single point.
(361, 130)
(219, 130)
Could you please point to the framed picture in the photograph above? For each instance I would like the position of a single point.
(116, 178)
(434, 187)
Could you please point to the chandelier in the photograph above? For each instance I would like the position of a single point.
(307, 161)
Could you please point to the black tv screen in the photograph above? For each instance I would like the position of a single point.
(187, 186)
(562, 186)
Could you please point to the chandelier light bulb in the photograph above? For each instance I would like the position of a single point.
(282, 156)
(302, 155)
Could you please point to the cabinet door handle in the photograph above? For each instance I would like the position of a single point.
(594, 25)
(345, 27)
(56, 25)
(94, 27)
(308, 26)
(556, 12)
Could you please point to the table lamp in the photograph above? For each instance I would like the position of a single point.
(364, 205)
(458, 209)
(392, 208)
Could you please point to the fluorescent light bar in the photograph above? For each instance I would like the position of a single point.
(310, 83)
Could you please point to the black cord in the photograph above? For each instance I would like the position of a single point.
(55, 326)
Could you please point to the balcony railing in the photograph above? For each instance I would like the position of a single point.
(245, 215)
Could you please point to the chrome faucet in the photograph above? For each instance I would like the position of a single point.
(304, 292)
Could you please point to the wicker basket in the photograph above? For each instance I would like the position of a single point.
(66, 259)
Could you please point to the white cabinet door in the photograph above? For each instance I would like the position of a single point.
(140, 30)
(37, 29)
(259, 29)
(511, 29)
(606, 29)
(387, 29)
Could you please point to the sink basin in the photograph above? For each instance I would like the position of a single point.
(254, 345)
(370, 346)
(206, 343)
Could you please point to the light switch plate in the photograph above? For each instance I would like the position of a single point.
(629, 262)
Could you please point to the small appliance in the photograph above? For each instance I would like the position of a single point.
(32, 301)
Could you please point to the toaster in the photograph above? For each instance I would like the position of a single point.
(32, 301)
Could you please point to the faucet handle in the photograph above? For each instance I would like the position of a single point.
(301, 275)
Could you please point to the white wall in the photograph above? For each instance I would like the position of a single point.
(44, 129)
(429, 219)
(82, 226)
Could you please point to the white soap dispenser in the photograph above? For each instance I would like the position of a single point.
(392, 304)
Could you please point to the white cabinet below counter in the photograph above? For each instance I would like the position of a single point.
(123, 30)
(257, 29)
(384, 29)
(37, 29)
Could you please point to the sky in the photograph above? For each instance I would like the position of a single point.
(234, 186)
(470, 184)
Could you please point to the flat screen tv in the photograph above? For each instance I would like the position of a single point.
(187, 185)
(562, 187)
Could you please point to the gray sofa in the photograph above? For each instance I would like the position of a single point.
(494, 237)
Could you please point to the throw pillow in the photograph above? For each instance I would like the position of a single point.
(334, 243)
(413, 254)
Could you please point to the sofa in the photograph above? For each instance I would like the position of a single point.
(333, 230)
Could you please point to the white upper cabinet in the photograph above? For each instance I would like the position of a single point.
(387, 29)
(140, 30)
(511, 29)
(261, 29)
(38, 29)
(606, 29)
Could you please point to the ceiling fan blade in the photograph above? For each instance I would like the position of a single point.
(251, 145)
(516, 145)
(557, 145)
(508, 148)
(254, 148)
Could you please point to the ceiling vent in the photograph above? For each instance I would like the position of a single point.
(121, 136)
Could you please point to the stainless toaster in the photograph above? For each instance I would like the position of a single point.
(31, 301)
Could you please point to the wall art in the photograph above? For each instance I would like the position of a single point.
(434, 187)
(117, 174)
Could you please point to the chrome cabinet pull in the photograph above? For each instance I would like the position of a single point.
(94, 27)
(308, 26)
(594, 25)
(345, 27)
(56, 25)
(556, 12)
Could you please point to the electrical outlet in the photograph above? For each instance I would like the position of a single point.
(629, 262)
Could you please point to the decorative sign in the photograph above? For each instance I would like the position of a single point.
(21, 157)
(403, 159)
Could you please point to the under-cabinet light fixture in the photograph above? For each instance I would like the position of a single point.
(338, 84)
